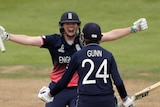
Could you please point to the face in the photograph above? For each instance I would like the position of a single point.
(70, 28)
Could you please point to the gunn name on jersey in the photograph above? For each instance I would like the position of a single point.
(94, 53)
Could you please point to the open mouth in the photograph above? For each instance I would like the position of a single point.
(71, 31)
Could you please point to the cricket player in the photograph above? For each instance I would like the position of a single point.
(62, 46)
(96, 69)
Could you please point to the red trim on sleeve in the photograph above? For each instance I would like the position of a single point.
(42, 41)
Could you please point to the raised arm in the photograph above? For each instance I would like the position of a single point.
(46, 95)
(26, 40)
(115, 34)
(139, 25)
(20, 38)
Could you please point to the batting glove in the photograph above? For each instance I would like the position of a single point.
(139, 25)
(44, 95)
(128, 102)
(4, 35)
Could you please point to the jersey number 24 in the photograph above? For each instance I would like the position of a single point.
(103, 66)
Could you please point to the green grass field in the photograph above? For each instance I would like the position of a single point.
(137, 56)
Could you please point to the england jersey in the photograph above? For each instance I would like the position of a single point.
(96, 66)
(61, 53)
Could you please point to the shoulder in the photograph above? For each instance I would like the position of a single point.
(52, 40)
(106, 53)
(52, 36)
(79, 55)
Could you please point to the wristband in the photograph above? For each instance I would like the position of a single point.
(133, 29)
(124, 99)
(7, 36)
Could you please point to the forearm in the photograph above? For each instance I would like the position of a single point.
(139, 25)
(115, 34)
(122, 91)
(25, 39)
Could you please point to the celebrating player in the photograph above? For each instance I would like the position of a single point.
(62, 46)
(95, 66)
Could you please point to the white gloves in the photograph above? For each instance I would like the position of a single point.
(128, 102)
(4, 35)
(44, 94)
(139, 25)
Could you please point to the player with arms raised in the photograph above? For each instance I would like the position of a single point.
(96, 68)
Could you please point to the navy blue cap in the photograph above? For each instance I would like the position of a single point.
(92, 31)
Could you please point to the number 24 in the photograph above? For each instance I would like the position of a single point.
(103, 66)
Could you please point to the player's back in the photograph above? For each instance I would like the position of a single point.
(95, 69)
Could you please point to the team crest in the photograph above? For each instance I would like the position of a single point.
(61, 49)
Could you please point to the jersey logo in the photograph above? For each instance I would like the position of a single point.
(61, 49)
(69, 15)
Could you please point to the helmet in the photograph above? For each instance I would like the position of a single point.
(69, 17)
(92, 32)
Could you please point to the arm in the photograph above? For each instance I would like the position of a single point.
(26, 40)
(139, 25)
(46, 95)
(126, 100)
(115, 34)
(21, 39)
(67, 76)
